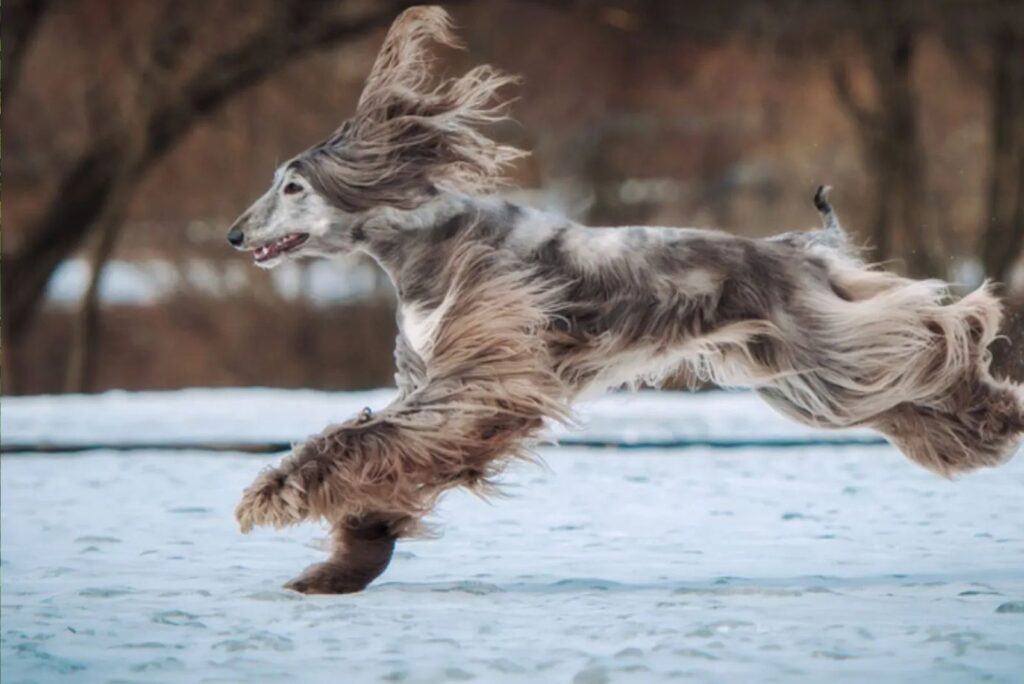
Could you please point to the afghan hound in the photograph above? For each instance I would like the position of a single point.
(507, 314)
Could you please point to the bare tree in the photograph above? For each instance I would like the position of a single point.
(20, 21)
(97, 183)
(1002, 240)
(890, 136)
(85, 343)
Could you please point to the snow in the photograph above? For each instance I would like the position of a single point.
(198, 416)
(820, 563)
(148, 281)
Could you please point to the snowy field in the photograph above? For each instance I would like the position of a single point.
(268, 416)
(817, 563)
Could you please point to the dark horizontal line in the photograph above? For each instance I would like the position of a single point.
(727, 443)
(72, 447)
(274, 447)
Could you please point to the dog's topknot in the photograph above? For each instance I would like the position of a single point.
(412, 133)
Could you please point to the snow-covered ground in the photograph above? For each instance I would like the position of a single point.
(146, 282)
(254, 416)
(816, 564)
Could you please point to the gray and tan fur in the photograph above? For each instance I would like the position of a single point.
(507, 315)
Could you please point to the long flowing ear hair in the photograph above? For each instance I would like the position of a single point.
(409, 134)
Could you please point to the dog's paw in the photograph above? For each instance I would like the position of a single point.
(274, 499)
(328, 578)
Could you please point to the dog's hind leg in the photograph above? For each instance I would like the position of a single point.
(898, 355)
(361, 552)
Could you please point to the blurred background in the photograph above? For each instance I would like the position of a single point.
(135, 131)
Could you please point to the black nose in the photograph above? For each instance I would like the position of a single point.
(236, 237)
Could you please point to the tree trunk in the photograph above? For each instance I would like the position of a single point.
(890, 136)
(86, 192)
(81, 369)
(21, 18)
(1002, 240)
(106, 171)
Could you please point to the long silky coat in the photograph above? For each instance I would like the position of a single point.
(507, 315)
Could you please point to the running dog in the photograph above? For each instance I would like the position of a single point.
(507, 314)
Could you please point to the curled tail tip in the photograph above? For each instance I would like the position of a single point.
(821, 202)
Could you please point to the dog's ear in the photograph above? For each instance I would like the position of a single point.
(411, 133)
(404, 63)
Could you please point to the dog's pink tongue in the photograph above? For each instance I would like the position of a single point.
(265, 252)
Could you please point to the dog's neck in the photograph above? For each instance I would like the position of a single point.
(412, 246)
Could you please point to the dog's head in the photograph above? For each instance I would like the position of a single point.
(408, 139)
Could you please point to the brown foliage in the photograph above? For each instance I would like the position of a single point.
(181, 72)
(193, 341)
(646, 111)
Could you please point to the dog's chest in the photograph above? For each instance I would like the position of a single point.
(419, 325)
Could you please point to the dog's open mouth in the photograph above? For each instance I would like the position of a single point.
(280, 246)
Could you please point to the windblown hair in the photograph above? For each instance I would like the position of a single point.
(481, 404)
(506, 315)
(411, 135)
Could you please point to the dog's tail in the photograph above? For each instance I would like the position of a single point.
(832, 234)
(829, 220)
(831, 239)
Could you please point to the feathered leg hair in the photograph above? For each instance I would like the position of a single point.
(487, 391)
(898, 355)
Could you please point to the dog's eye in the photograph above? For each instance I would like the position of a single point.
(292, 188)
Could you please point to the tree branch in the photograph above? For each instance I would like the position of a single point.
(21, 18)
(96, 178)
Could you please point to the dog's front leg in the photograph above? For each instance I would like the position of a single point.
(362, 550)
(389, 469)
(279, 496)
(481, 400)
